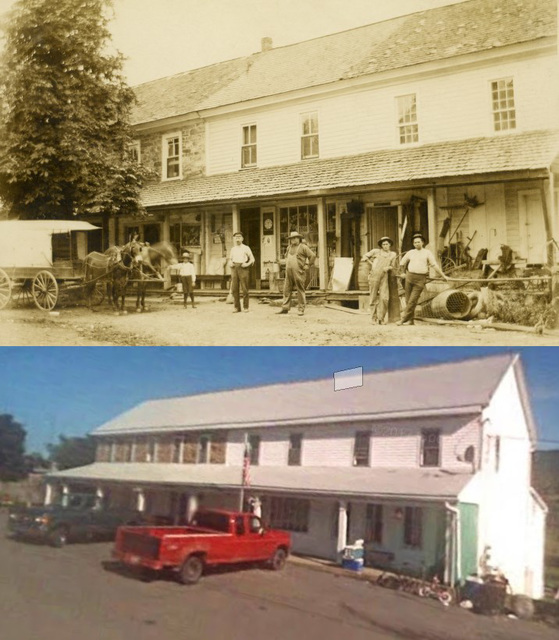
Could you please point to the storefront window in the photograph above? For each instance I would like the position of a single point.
(304, 219)
(185, 234)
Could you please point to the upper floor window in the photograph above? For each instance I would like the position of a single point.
(361, 449)
(203, 449)
(294, 456)
(502, 98)
(129, 451)
(309, 135)
(248, 150)
(373, 523)
(430, 447)
(407, 119)
(112, 451)
(413, 526)
(151, 455)
(254, 449)
(171, 156)
(134, 151)
(177, 450)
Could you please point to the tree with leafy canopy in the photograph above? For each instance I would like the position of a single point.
(72, 452)
(65, 108)
(12, 449)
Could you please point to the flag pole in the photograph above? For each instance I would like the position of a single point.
(242, 496)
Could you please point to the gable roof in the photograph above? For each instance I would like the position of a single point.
(439, 389)
(426, 36)
(417, 484)
(535, 150)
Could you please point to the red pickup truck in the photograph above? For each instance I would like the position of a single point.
(213, 537)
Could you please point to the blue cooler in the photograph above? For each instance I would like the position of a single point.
(353, 564)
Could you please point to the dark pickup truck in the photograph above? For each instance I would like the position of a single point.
(81, 516)
(214, 537)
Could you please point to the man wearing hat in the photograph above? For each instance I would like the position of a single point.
(187, 274)
(298, 261)
(240, 259)
(383, 264)
(417, 263)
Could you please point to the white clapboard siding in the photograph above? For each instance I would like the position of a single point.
(451, 106)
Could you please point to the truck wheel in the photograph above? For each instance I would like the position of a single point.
(192, 569)
(279, 559)
(59, 537)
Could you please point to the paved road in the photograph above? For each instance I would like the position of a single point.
(75, 593)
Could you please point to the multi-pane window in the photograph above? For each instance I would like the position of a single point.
(254, 449)
(407, 119)
(248, 150)
(294, 455)
(291, 514)
(361, 449)
(309, 135)
(203, 449)
(171, 154)
(373, 523)
(430, 447)
(413, 526)
(502, 98)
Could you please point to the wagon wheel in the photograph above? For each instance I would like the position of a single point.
(5, 289)
(447, 265)
(45, 290)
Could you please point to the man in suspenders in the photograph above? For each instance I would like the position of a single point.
(298, 260)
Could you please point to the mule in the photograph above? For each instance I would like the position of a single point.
(114, 267)
(149, 265)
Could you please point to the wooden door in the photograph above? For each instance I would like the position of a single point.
(532, 228)
(250, 228)
(383, 221)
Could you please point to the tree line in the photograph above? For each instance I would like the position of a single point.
(16, 463)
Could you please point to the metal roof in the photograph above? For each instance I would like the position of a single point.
(420, 484)
(532, 151)
(439, 389)
(426, 36)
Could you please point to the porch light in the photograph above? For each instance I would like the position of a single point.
(398, 513)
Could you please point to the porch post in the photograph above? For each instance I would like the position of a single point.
(191, 506)
(322, 246)
(432, 220)
(140, 500)
(342, 526)
(65, 495)
(236, 218)
(48, 493)
(99, 495)
(448, 571)
(548, 221)
(256, 505)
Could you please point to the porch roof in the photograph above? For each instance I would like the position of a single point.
(448, 388)
(418, 484)
(531, 151)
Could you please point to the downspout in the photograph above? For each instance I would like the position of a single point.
(458, 541)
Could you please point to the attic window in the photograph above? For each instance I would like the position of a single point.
(430, 447)
(408, 128)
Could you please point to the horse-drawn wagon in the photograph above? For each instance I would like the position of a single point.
(39, 258)
(42, 259)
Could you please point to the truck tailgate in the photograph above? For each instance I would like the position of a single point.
(139, 544)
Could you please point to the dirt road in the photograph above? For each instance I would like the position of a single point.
(212, 323)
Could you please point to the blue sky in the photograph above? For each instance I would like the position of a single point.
(71, 391)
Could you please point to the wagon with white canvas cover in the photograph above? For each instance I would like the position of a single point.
(41, 258)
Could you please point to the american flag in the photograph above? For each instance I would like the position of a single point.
(246, 465)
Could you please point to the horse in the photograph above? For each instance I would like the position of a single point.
(114, 267)
(148, 265)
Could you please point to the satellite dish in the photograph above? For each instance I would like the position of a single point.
(468, 455)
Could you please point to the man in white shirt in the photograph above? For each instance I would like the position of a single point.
(240, 259)
(417, 263)
(187, 274)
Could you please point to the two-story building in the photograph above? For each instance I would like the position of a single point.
(428, 465)
(443, 121)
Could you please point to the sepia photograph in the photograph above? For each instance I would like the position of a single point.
(255, 173)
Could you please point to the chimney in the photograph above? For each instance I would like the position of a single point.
(266, 44)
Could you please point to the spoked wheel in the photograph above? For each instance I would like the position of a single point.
(45, 291)
(5, 289)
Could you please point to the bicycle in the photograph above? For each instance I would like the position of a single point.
(435, 589)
